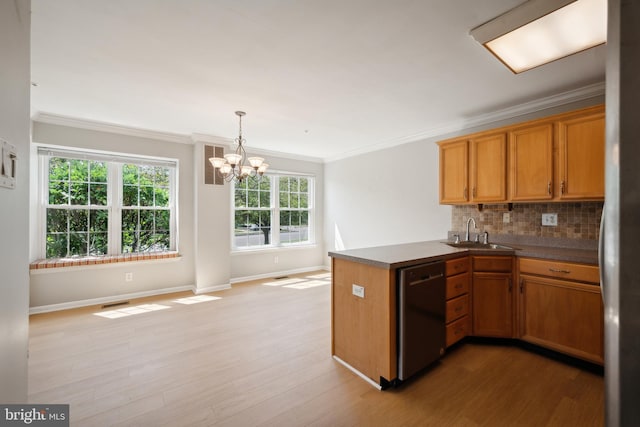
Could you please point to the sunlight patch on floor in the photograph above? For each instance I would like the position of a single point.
(325, 276)
(130, 311)
(305, 282)
(196, 299)
(283, 282)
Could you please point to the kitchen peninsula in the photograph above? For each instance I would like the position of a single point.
(513, 286)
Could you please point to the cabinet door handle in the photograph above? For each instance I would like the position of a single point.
(549, 188)
(465, 193)
(521, 285)
(555, 270)
(562, 187)
(510, 284)
(474, 192)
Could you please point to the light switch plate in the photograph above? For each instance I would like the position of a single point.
(550, 219)
(357, 290)
(7, 164)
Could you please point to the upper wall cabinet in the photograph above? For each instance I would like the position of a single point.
(531, 163)
(556, 158)
(581, 157)
(488, 168)
(454, 176)
(474, 170)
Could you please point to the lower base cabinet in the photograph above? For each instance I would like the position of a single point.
(562, 314)
(493, 305)
(457, 304)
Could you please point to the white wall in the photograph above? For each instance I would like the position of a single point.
(59, 286)
(262, 263)
(15, 23)
(212, 219)
(391, 196)
(384, 197)
(204, 229)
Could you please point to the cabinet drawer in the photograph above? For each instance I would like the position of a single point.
(560, 269)
(457, 285)
(457, 307)
(457, 266)
(457, 330)
(493, 263)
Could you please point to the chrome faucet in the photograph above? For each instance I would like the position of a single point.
(466, 236)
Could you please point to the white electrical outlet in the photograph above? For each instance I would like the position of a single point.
(357, 290)
(128, 277)
(506, 217)
(550, 219)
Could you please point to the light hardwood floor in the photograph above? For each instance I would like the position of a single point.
(260, 355)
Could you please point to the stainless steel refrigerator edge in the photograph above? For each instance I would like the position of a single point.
(620, 261)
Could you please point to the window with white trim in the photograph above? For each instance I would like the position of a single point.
(276, 210)
(95, 204)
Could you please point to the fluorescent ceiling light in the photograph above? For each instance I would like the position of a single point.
(541, 31)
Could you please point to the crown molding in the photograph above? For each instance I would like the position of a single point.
(563, 98)
(60, 120)
(269, 153)
(210, 139)
(56, 119)
(229, 143)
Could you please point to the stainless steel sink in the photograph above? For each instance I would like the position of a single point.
(478, 245)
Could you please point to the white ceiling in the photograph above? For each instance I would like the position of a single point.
(321, 78)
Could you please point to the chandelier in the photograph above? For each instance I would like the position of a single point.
(234, 165)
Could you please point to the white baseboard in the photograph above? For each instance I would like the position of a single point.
(194, 289)
(277, 274)
(208, 289)
(107, 300)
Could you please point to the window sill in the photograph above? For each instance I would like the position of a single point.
(47, 264)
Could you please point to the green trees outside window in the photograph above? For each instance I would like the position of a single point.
(77, 217)
(82, 195)
(294, 209)
(252, 212)
(145, 209)
(275, 210)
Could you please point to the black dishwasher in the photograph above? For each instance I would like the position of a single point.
(421, 314)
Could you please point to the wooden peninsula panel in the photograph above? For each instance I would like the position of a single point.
(364, 329)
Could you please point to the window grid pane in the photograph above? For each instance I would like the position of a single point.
(74, 220)
(77, 212)
(251, 228)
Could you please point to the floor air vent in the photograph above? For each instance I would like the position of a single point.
(115, 304)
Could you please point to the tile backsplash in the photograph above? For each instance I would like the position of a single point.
(575, 220)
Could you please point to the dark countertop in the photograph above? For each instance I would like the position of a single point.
(408, 254)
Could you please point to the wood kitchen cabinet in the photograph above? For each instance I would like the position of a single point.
(493, 296)
(454, 181)
(581, 141)
(364, 329)
(561, 308)
(458, 323)
(488, 168)
(474, 170)
(559, 158)
(531, 163)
